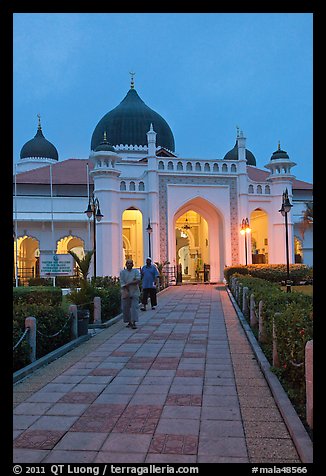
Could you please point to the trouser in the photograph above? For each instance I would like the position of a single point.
(130, 306)
(151, 292)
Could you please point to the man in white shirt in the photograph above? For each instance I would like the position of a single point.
(129, 281)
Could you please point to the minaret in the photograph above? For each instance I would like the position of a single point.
(280, 165)
(151, 140)
(106, 190)
(281, 180)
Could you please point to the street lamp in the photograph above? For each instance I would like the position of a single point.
(149, 230)
(93, 210)
(244, 230)
(285, 209)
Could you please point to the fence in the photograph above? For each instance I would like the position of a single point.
(254, 313)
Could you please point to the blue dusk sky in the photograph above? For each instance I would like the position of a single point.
(205, 73)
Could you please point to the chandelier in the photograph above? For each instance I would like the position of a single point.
(186, 225)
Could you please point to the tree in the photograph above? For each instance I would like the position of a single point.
(307, 219)
(83, 263)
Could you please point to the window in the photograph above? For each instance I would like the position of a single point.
(170, 165)
(251, 189)
(179, 166)
(198, 166)
(141, 186)
(132, 186)
(207, 167)
(123, 185)
(161, 165)
(189, 166)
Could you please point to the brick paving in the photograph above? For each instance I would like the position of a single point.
(184, 387)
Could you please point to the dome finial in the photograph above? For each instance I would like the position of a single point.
(132, 84)
(279, 145)
(39, 127)
(238, 130)
(104, 136)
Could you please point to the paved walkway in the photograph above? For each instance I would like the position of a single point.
(184, 387)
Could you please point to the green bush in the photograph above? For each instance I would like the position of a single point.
(294, 327)
(272, 272)
(50, 319)
(109, 294)
(60, 281)
(38, 294)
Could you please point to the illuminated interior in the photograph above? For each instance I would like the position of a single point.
(132, 237)
(192, 245)
(259, 236)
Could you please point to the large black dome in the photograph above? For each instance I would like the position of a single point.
(129, 122)
(233, 155)
(39, 147)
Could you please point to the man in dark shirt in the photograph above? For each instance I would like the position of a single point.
(150, 281)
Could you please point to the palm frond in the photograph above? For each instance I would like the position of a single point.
(83, 263)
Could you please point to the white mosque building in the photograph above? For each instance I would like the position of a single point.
(182, 210)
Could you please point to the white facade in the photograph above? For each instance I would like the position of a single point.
(165, 189)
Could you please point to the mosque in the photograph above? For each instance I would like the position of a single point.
(148, 200)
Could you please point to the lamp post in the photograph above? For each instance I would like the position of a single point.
(285, 209)
(93, 210)
(149, 230)
(244, 230)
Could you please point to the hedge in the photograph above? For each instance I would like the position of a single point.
(272, 272)
(294, 328)
(38, 295)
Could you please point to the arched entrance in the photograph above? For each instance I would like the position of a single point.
(192, 246)
(27, 258)
(259, 236)
(132, 236)
(198, 242)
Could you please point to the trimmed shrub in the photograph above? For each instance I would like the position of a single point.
(294, 327)
(110, 298)
(50, 319)
(275, 273)
(38, 295)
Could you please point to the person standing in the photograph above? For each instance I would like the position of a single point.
(129, 283)
(150, 282)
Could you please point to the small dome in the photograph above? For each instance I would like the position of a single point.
(279, 154)
(233, 155)
(104, 146)
(129, 122)
(39, 147)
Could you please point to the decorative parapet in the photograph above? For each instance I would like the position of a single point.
(198, 166)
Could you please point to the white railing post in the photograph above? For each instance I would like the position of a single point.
(74, 321)
(97, 310)
(244, 299)
(253, 318)
(262, 337)
(30, 323)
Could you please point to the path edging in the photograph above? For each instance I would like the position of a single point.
(294, 425)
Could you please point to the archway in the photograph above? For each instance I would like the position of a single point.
(259, 236)
(132, 236)
(192, 249)
(198, 240)
(27, 258)
(71, 243)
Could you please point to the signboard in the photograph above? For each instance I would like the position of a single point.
(56, 265)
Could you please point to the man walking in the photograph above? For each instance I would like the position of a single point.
(150, 281)
(129, 281)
